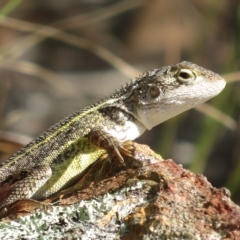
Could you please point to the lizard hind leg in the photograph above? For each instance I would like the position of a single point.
(113, 146)
(35, 178)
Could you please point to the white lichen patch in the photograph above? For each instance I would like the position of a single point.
(78, 221)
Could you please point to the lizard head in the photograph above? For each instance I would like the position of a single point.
(166, 92)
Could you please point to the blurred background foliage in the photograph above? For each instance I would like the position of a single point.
(58, 56)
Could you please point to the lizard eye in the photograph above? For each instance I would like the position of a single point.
(154, 91)
(185, 76)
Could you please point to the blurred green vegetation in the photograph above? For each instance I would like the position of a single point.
(42, 39)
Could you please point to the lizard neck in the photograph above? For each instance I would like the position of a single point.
(121, 124)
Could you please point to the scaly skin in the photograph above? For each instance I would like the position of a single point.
(56, 159)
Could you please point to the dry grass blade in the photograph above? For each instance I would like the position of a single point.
(106, 55)
(73, 40)
(10, 142)
(232, 77)
(122, 66)
(17, 49)
(37, 71)
(98, 15)
(217, 115)
(4, 88)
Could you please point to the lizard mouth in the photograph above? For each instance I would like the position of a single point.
(178, 100)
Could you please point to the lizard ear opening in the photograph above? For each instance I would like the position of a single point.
(154, 91)
(185, 76)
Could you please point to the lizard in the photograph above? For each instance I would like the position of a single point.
(58, 157)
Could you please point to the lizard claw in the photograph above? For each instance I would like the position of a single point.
(127, 148)
(112, 145)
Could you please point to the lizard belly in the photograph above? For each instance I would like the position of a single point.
(67, 170)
